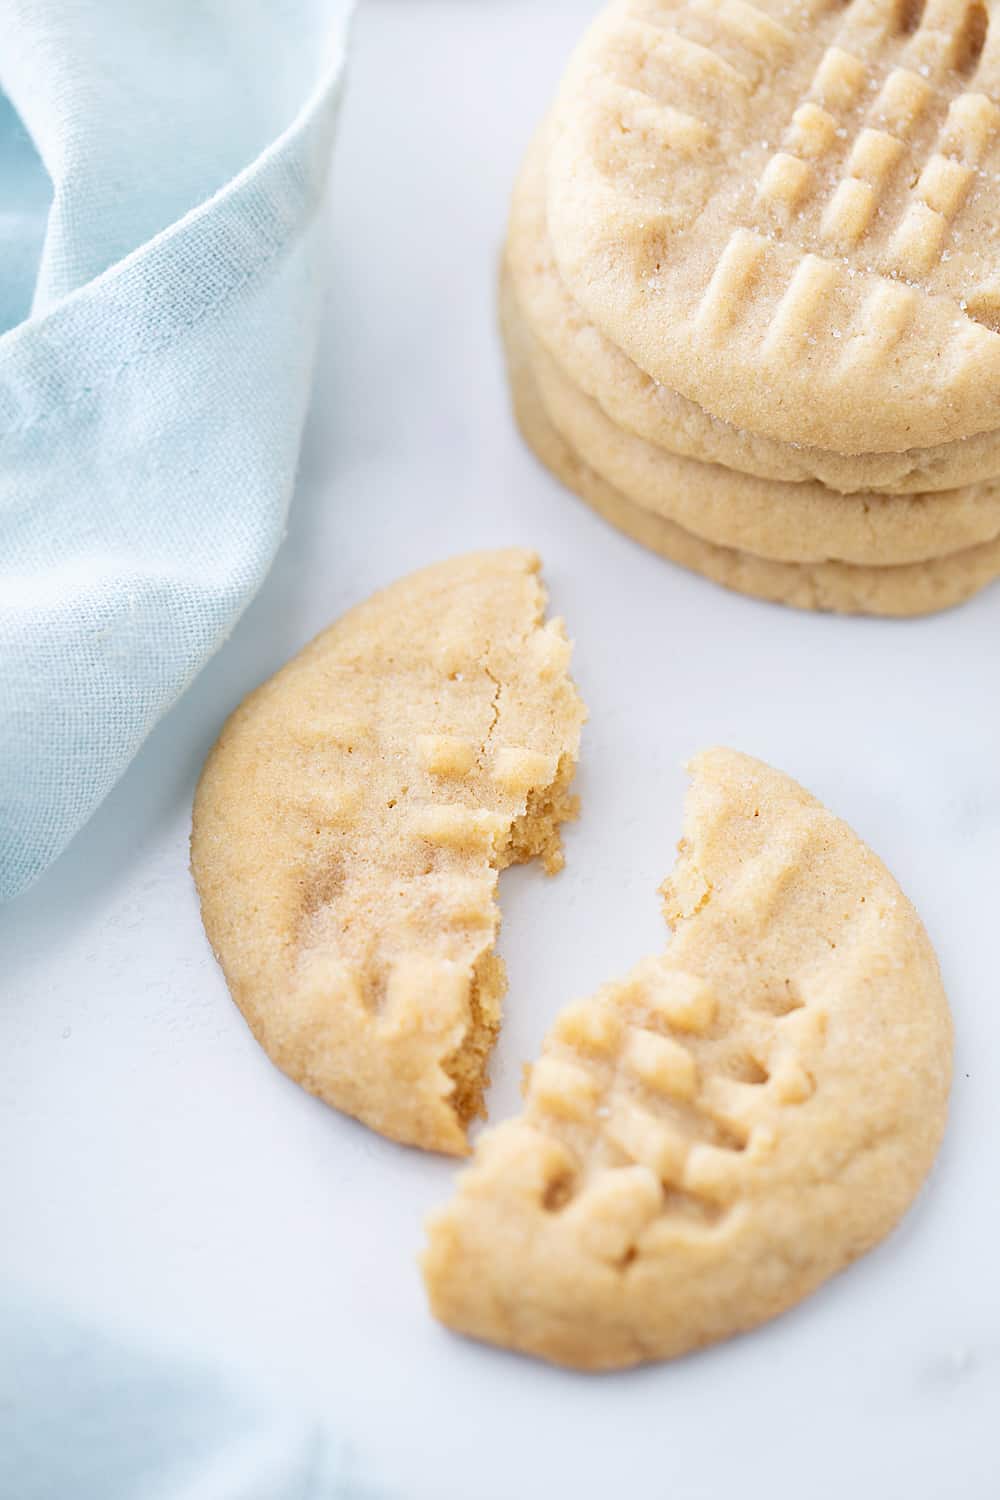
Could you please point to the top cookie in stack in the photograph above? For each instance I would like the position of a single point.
(752, 292)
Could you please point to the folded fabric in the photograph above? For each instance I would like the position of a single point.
(162, 169)
(86, 1416)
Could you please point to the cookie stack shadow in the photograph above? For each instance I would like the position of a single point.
(751, 288)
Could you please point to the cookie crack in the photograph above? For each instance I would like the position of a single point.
(494, 708)
(534, 834)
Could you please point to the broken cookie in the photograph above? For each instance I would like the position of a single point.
(706, 1141)
(350, 824)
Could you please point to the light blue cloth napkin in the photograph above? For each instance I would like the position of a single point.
(162, 168)
(86, 1416)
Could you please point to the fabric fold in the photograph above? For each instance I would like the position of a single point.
(88, 1414)
(151, 414)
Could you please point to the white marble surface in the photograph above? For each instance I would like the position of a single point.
(157, 1171)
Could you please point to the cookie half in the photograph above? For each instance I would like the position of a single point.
(784, 211)
(843, 588)
(349, 827)
(706, 1141)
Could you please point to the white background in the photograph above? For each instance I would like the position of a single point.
(158, 1172)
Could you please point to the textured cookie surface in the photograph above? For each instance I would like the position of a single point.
(844, 588)
(786, 211)
(705, 1142)
(802, 522)
(638, 404)
(350, 823)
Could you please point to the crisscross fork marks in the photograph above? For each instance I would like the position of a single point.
(653, 1084)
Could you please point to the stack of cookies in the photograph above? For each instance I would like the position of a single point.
(751, 293)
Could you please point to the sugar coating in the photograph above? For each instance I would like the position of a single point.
(349, 826)
(865, 149)
(706, 1141)
(657, 413)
